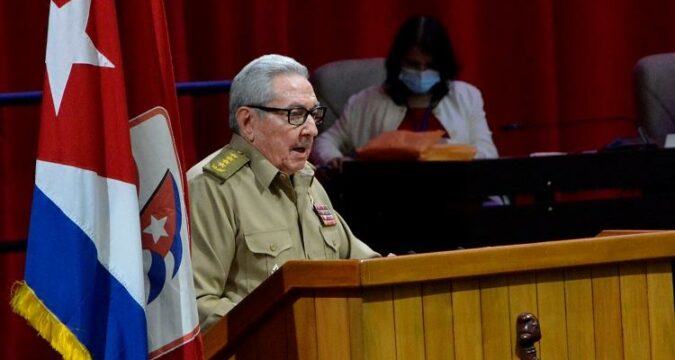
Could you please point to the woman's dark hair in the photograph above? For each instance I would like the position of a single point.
(427, 34)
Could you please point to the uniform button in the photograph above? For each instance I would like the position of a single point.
(273, 247)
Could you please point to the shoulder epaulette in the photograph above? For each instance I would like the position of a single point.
(226, 164)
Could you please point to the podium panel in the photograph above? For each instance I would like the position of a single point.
(597, 298)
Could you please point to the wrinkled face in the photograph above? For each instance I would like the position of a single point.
(286, 146)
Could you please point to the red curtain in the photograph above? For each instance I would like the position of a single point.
(555, 76)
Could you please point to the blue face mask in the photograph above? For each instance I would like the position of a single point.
(419, 82)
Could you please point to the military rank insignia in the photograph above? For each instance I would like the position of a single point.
(325, 214)
(226, 163)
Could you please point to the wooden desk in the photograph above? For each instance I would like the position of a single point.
(596, 298)
(554, 197)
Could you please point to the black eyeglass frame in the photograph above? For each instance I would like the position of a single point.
(317, 119)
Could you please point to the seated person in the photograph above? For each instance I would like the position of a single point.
(420, 93)
(256, 204)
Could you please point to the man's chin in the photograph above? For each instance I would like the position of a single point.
(295, 165)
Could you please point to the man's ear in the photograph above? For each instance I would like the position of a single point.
(246, 123)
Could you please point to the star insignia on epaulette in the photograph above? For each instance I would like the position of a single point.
(226, 164)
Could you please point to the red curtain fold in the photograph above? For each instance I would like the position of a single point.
(559, 72)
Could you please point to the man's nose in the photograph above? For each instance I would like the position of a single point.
(309, 127)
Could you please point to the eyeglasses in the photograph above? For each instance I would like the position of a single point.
(297, 115)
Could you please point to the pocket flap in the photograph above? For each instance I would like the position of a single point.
(268, 242)
(331, 236)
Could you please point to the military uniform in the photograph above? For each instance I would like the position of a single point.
(248, 219)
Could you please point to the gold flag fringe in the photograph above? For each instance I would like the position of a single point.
(25, 303)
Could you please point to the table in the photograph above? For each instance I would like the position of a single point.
(403, 207)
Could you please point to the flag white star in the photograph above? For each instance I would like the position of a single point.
(156, 228)
(68, 44)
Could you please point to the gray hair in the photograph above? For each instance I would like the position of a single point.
(253, 84)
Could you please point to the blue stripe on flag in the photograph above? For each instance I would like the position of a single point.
(63, 270)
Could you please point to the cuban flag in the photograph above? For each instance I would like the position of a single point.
(108, 272)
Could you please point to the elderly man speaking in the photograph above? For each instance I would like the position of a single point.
(256, 204)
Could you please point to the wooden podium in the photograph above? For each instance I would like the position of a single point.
(596, 298)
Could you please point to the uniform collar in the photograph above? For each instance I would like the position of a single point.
(263, 169)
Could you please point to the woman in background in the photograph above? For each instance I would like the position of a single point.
(420, 93)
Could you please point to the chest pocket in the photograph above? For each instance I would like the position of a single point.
(332, 240)
(270, 250)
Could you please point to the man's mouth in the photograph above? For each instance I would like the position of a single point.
(302, 147)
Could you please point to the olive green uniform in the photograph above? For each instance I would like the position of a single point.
(248, 219)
